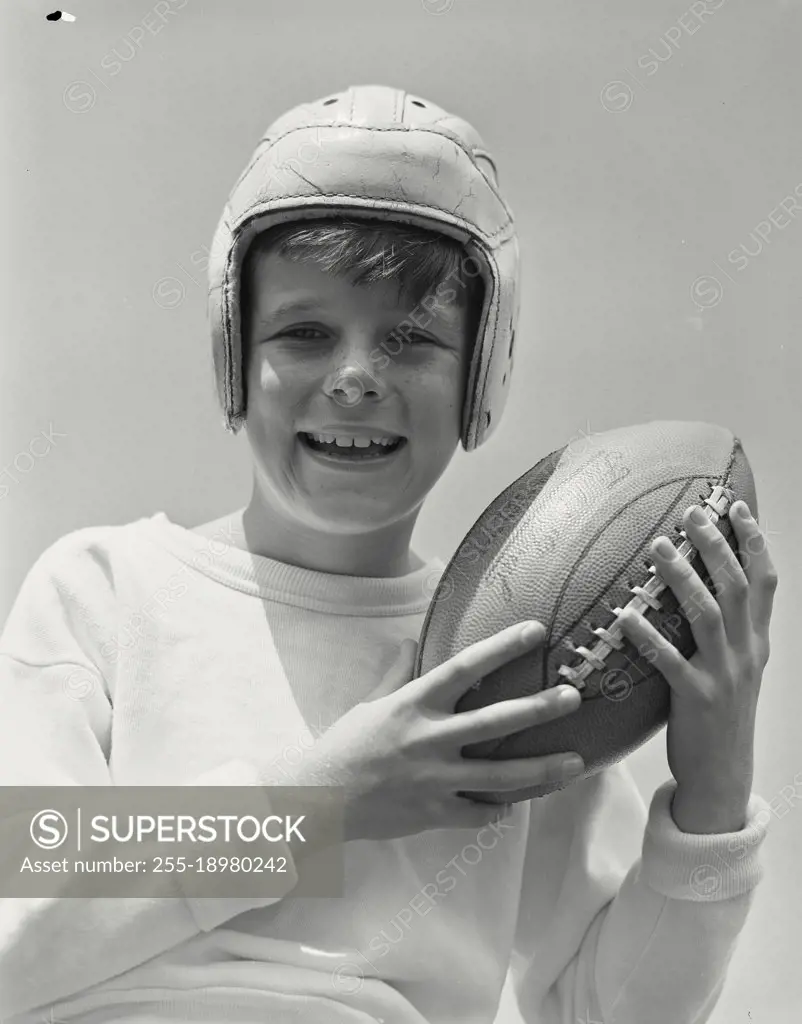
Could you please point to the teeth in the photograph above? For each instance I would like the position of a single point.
(344, 441)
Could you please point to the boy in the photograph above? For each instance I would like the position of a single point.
(363, 297)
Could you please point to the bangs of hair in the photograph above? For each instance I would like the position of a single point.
(368, 252)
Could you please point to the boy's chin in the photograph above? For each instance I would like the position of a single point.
(354, 517)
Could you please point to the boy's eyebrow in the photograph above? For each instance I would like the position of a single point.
(312, 305)
(291, 306)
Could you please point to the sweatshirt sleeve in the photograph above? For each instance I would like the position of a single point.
(605, 936)
(55, 729)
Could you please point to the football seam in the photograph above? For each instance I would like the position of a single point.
(453, 565)
(711, 482)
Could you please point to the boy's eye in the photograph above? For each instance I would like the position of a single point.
(412, 338)
(409, 337)
(292, 331)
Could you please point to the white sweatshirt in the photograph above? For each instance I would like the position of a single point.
(145, 654)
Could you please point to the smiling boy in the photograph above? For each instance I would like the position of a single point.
(363, 325)
(301, 319)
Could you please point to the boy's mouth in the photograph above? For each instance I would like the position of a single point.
(351, 449)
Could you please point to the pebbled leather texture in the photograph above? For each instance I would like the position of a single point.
(377, 152)
(563, 544)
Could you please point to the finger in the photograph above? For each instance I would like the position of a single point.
(757, 565)
(441, 688)
(399, 673)
(509, 716)
(481, 776)
(726, 575)
(696, 602)
(657, 650)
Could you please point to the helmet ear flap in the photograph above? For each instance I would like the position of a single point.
(476, 305)
(245, 303)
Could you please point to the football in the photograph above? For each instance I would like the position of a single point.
(568, 544)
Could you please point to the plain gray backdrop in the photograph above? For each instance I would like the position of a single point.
(647, 151)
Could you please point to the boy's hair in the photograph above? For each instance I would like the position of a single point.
(367, 252)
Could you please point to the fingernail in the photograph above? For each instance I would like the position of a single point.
(698, 516)
(531, 631)
(665, 548)
(572, 765)
(743, 510)
(567, 696)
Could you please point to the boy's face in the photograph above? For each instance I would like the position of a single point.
(299, 358)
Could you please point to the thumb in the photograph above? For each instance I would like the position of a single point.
(400, 671)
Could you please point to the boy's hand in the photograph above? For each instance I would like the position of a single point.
(398, 754)
(711, 725)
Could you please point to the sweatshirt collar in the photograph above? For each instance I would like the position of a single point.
(216, 558)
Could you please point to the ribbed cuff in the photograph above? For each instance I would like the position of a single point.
(701, 868)
(211, 911)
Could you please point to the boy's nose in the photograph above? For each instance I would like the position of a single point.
(353, 374)
(353, 380)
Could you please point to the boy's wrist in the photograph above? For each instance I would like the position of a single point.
(323, 828)
(707, 816)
